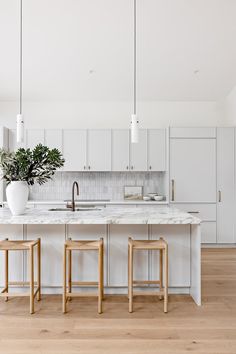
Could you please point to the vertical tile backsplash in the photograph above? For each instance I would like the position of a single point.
(98, 185)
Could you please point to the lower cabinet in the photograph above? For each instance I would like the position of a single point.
(208, 232)
(178, 253)
(85, 263)
(52, 241)
(118, 254)
(12, 232)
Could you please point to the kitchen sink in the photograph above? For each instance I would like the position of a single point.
(77, 209)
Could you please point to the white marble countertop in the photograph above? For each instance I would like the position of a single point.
(148, 215)
(96, 202)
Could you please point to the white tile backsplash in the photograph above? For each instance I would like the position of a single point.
(98, 185)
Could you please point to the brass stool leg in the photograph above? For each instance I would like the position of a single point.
(39, 270)
(166, 280)
(69, 273)
(64, 282)
(161, 271)
(102, 270)
(6, 273)
(31, 263)
(130, 280)
(100, 282)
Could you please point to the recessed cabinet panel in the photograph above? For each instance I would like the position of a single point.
(156, 150)
(193, 170)
(225, 185)
(53, 139)
(99, 150)
(138, 152)
(120, 150)
(34, 137)
(74, 150)
(118, 254)
(208, 232)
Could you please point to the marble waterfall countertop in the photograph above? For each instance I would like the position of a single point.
(117, 215)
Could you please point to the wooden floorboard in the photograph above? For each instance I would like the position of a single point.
(186, 328)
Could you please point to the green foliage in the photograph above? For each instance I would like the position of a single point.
(33, 166)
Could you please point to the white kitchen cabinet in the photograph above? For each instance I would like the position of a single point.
(53, 138)
(120, 150)
(138, 153)
(52, 247)
(75, 149)
(99, 150)
(12, 232)
(34, 137)
(193, 132)
(208, 232)
(118, 254)
(156, 149)
(178, 253)
(225, 185)
(193, 170)
(85, 263)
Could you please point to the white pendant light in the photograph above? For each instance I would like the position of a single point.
(134, 120)
(19, 117)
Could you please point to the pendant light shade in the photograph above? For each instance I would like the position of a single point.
(19, 128)
(134, 129)
(19, 117)
(134, 120)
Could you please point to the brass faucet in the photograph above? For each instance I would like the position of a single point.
(72, 205)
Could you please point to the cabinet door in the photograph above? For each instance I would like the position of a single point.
(156, 150)
(208, 232)
(225, 185)
(53, 139)
(34, 137)
(118, 254)
(138, 152)
(99, 150)
(74, 149)
(120, 150)
(52, 243)
(193, 170)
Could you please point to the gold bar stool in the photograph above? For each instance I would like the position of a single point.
(7, 246)
(159, 245)
(78, 245)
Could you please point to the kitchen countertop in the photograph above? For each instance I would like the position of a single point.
(165, 215)
(95, 202)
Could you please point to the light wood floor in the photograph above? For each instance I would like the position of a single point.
(186, 328)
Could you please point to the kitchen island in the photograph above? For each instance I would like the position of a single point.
(181, 230)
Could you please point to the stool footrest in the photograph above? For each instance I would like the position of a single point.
(20, 283)
(146, 282)
(81, 294)
(84, 283)
(5, 293)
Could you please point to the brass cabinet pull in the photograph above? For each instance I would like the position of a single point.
(89, 167)
(193, 212)
(84, 167)
(132, 167)
(150, 167)
(127, 167)
(172, 190)
(219, 192)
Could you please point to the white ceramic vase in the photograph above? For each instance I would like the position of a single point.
(17, 193)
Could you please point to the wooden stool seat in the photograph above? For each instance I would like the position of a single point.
(149, 245)
(15, 245)
(81, 245)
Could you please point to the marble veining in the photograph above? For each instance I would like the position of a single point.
(119, 215)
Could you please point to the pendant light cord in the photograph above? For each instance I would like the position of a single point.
(135, 50)
(21, 54)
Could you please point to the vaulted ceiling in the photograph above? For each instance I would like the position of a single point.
(83, 49)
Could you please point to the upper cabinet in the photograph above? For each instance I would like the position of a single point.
(120, 150)
(99, 150)
(34, 137)
(193, 169)
(138, 153)
(75, 149)
(156, 150)
(53, 138)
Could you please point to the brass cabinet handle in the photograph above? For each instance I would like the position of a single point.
(132, 167)
(193, 212)
(150, 167)
(172, 190)
(219, 192)
(127, 167)
(84, 167)
(89, 167)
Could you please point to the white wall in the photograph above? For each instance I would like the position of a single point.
(112, 114)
